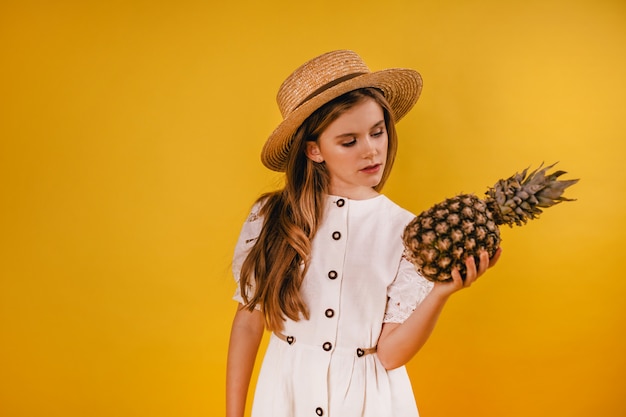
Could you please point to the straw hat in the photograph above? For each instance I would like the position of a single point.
(325, 78)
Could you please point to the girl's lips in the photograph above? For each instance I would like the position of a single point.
(371, 169)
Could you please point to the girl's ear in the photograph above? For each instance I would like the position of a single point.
(313, 152)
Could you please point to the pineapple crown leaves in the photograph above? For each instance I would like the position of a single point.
(521, 197)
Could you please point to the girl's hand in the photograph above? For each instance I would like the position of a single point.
(398, 343)
(473, 273)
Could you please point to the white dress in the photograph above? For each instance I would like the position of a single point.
(357, 280)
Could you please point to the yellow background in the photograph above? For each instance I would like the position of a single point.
(129, 141)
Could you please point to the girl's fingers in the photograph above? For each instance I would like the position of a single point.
(457, 279)
(473, 272)
(495, 257)
(470, 274)
(484, 262)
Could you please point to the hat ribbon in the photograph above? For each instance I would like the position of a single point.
(329, 85)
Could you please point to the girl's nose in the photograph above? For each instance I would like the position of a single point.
(369, 148)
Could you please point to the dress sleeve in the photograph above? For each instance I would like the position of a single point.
(405, 293)
(249, 234)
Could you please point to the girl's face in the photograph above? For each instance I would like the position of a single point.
(354, 148)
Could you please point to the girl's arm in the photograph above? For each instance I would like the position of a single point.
(245, 337)
(398, 343)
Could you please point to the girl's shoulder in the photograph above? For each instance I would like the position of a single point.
(257, 211)
(251, 228)
(395, 211)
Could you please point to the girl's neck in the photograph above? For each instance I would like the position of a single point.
(360, 194)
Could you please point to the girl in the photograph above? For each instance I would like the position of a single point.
(320, 263)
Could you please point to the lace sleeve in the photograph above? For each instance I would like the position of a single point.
(405, 293)
(249, 234)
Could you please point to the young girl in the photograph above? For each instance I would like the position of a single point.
(320, 263)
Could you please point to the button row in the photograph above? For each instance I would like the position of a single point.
(330, 312)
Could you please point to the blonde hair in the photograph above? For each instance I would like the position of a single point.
(279, 259)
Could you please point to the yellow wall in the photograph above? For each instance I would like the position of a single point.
(129, 141)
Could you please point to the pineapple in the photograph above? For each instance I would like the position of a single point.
(442, 237)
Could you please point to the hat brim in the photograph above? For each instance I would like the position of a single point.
(401, 88)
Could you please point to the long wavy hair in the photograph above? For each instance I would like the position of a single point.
(277, 263)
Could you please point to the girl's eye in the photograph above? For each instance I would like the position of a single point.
(348, 144)
(378, 133)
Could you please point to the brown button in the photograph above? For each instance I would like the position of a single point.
(341, 202)
(329, 313)
(319, 411)
(336, 235)
(332, 275)
(327, 346)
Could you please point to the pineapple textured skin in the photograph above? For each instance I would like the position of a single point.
(442, 237)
